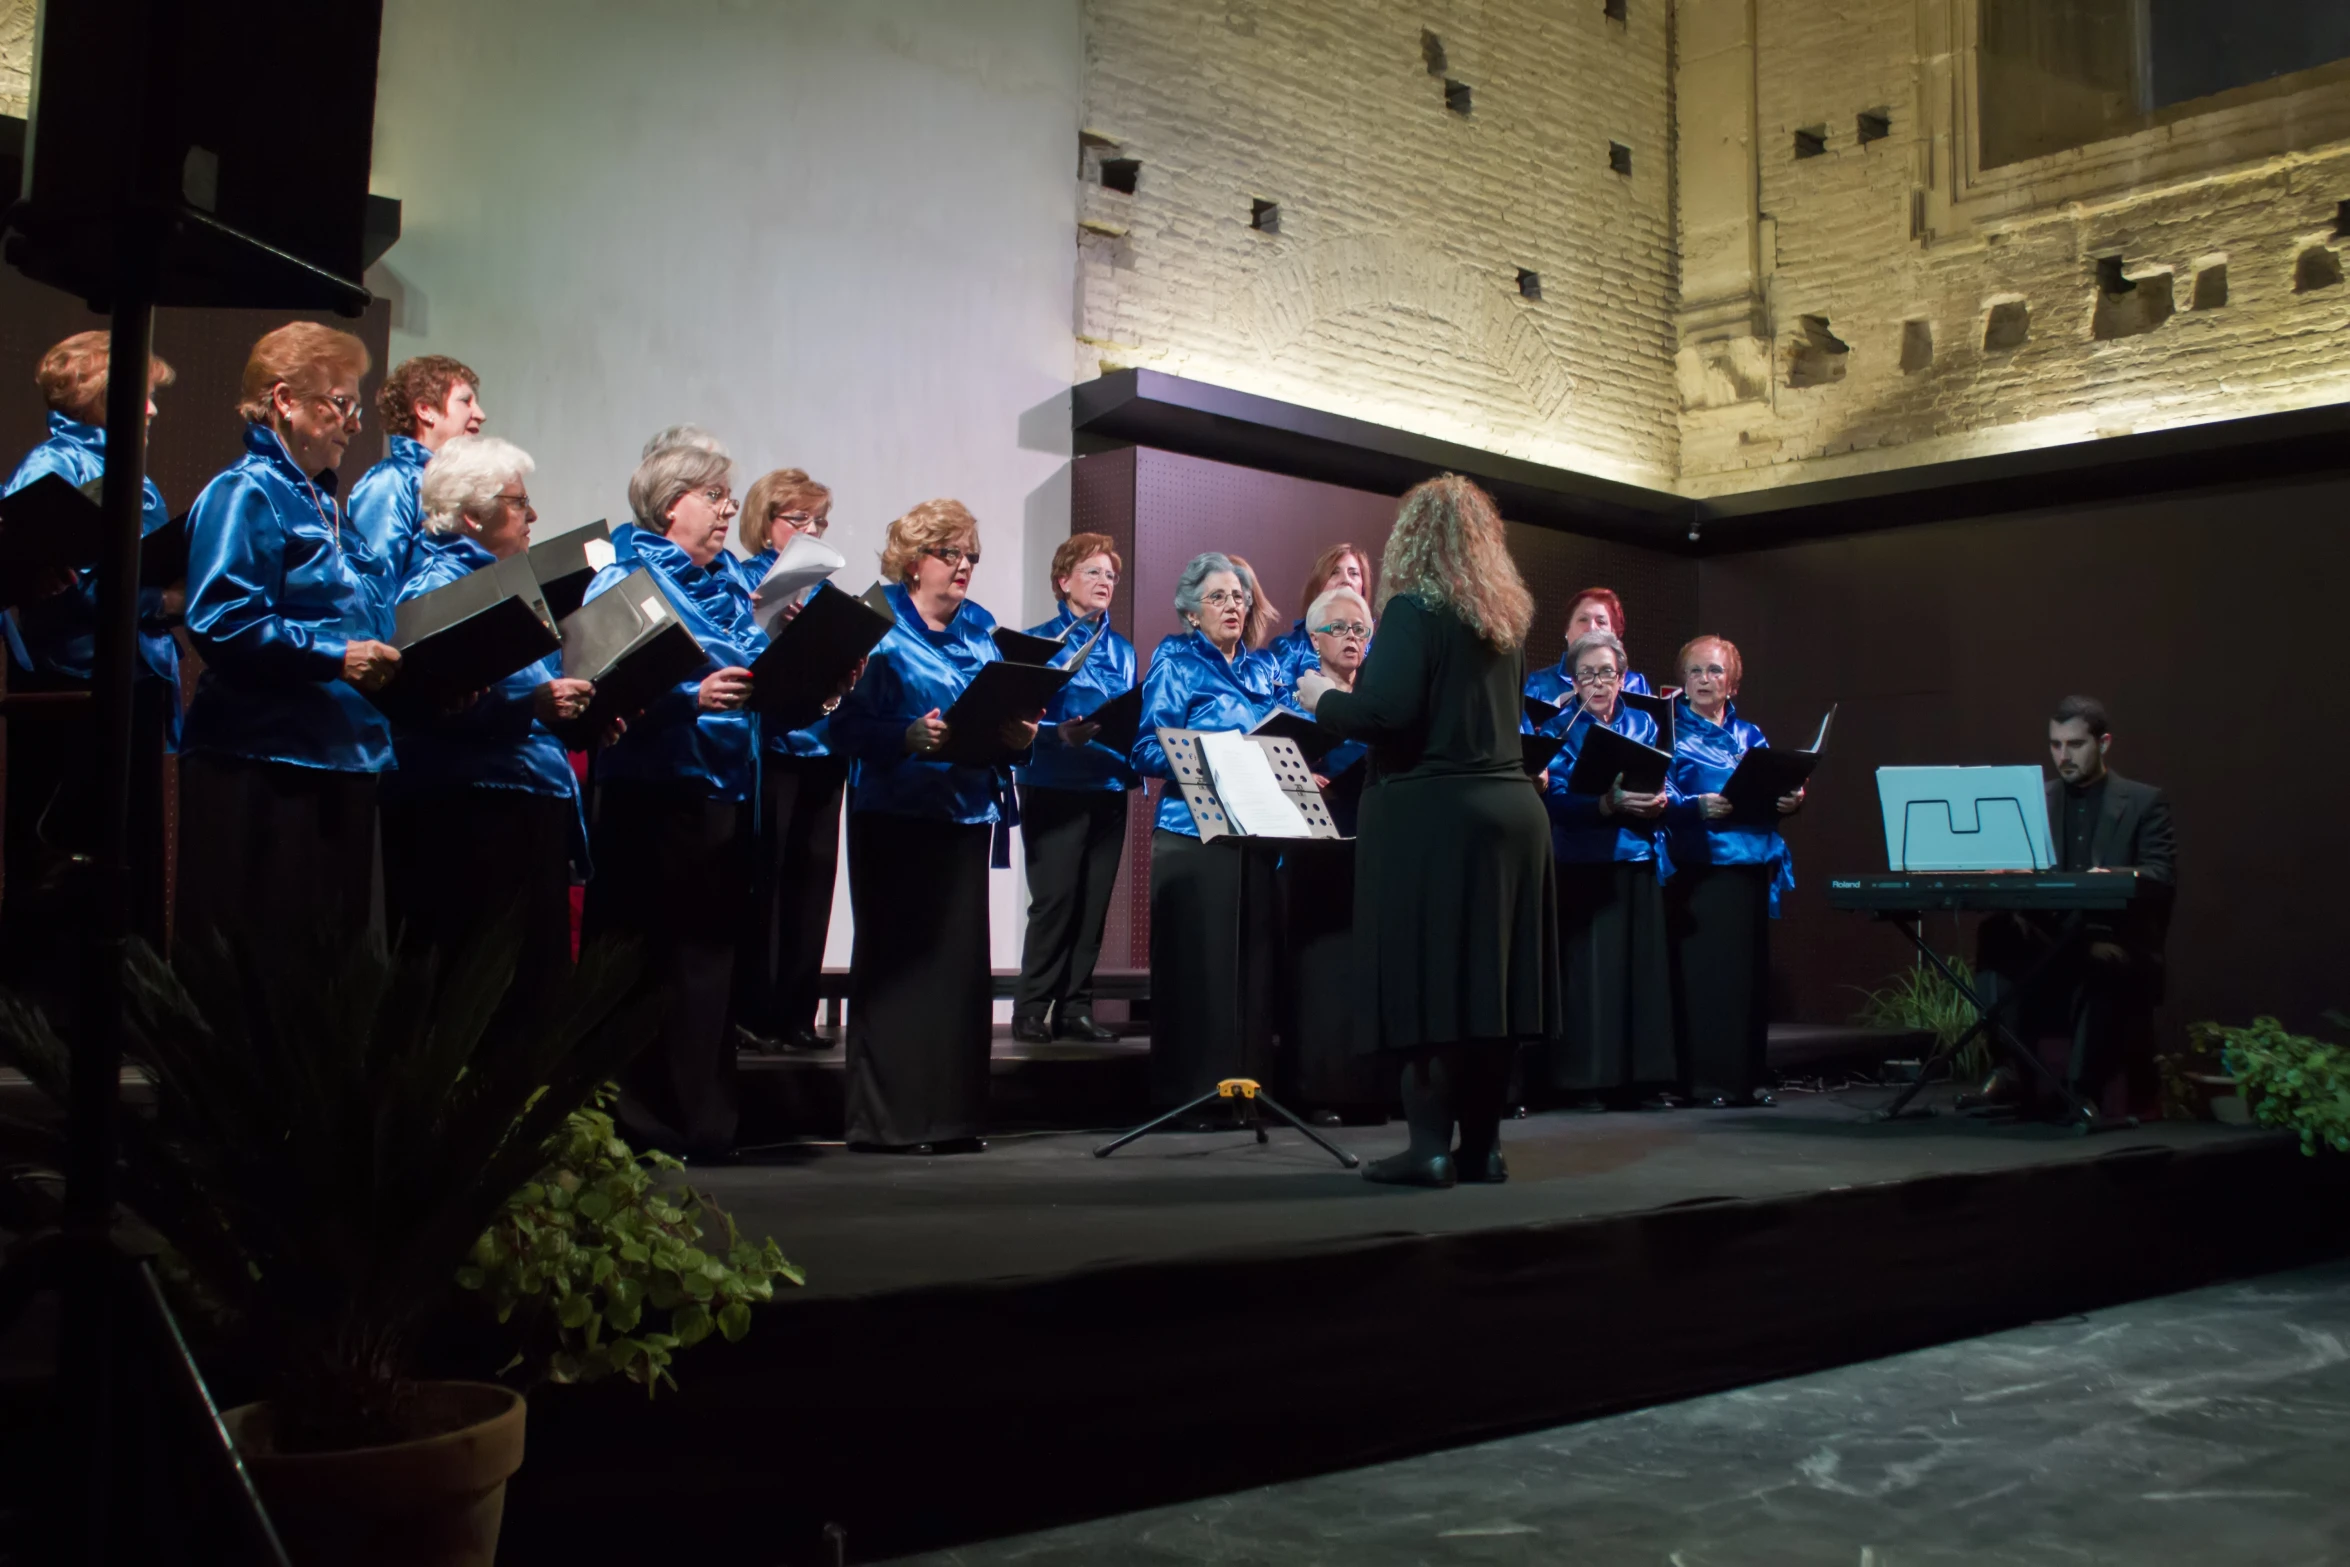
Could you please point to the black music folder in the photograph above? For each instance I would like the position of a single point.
(466, 637)
(1607, 754)
(999, 693)
(1312, 740)
(811, 654)
(568, 562)
(629, 641)
(1121, 720)
(1659, 708)
(1765, 773)
(163, 554)
(46, 527)
(1539, 712)
(1538, 750)
(1018, 647)
(878, 596)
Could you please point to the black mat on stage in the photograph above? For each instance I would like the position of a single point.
(1029, 1336)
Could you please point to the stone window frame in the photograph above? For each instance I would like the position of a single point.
(1956, 195)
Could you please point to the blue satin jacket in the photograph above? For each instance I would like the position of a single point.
(1192, 686)
(1579, 833)
(273, 599)
(58, 635)
(1294, 652)
(674, 738)
(1555, 684)
(387, 513)
(1704, 756)
(810, 741)
(913, 670)
(498, 742)
(1108, 671)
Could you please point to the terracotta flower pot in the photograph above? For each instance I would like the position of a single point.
(433, 1502)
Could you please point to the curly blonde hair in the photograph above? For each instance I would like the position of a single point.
(933, 525)
(1448, 549)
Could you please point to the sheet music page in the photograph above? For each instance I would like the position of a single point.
(598, 553)
(1251, 795)
(803, 563)
(1819, 742)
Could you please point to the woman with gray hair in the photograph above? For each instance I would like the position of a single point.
(484, 797)
(1202, 1028)
(1618, 1046)
(667, 807)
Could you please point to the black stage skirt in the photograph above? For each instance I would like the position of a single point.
(285, 854)
(1323, 1068)
(451, 857)
(670, 873)
(921, 989)
(1453, 914)
(1720, 920)
(1203, 1029)
(1072, 841)
(1619, 1033)
(795, 856)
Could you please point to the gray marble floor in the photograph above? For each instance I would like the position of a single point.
(2210, 1428)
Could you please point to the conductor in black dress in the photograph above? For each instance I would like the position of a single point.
(1456, 945)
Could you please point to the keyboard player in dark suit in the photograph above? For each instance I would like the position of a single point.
(2102, 992)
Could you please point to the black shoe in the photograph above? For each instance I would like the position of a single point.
(1767, 1100)
(1662, 1102)
(1718, 1102)
(960, 1145)
(805, 1038)
(1031, 1030)
(756, 1044)
(1491, 1170)
(1405, 1169)
(1075, 1023)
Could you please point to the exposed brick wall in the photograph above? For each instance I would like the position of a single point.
(16, 57)
(1390, 291)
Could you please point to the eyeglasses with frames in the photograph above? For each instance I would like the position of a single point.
(1343, 628)
(718, 496)
(518, 502)
(802, 521)
(1094, 574)
(1597, 677)
(951, 557)
(1226, 598)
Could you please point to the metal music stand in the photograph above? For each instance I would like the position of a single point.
(1296, 778)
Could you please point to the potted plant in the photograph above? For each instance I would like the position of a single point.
(331, 1133)
(2297, 1082)
(1919, 1000)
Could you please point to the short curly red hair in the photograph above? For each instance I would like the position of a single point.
(422, 382)
(1732, 664)
(1607, 600)
(72, 376)
(1076, 550)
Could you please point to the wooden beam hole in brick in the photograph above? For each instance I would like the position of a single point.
(1616, 10)
(2315, 268)
(1432, 53)
(1121, 174)
(2211, 286)
(2341, 219)
(2128, 306)
(1917, 346)
(1873, 125)
(1817, 357)
(1529, 284)
(2007, 326)
(1264, 216)
(1619, 157)
(1811, 141)
(1457, 97)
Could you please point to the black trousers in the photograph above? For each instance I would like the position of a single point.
(457, 863)
(272, 852)
(795, 856)
(1617, 975)
(669, 873)
(1072, 840)
(921, 990)
(2091, 1017)
(1205, 1026)
(1720, 920)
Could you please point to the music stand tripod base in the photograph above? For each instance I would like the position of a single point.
(1245, 1090)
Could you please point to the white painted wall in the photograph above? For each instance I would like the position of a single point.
(839, 233)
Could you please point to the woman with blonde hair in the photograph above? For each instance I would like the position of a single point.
(921, 993)
(1455, 940)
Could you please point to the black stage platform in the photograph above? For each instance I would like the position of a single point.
(1004, 1341)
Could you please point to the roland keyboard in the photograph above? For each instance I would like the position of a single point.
(1909, 892)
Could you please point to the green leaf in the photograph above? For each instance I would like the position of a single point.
(691, 1324)
(575, 1311)
(594, 1206)
(470, 1278)
(734, 1322)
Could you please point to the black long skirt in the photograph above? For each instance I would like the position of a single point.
(1323, 1068)
(1720, 920)
(795, 858)
(921, 991)
(458, 862)
(1455, 934)
(1215, 954)
(669, 873)
(281, 854)
(1072, 841)
(1619, 991)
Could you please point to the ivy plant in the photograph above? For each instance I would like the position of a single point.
(609, 1265)
(2295, 1081)
(1920, 1000)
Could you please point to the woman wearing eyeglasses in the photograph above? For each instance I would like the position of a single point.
(481, 814)
(1592, 609)
(1724, 892)
(665, 817)
(921, 990)
(1618, 1044)
(282, 745)
(1340, 566)
(1203, 1029)
(1073, 804)
(795, 842)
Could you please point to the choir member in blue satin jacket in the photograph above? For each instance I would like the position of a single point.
(1724, 891)
(1073, 804)
(481, 815)
(921, 991)
(1202, 1028)
(1618, 1043)
(282, 744)
(52, 643)
(666, 815)
(795, 843)
(1340, 566)
(1593, 609)
(425, 403)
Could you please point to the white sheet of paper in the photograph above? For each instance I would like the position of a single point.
(804, 562)
(599, 553)
(1252, 797)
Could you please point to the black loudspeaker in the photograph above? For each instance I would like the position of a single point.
(225, 145)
